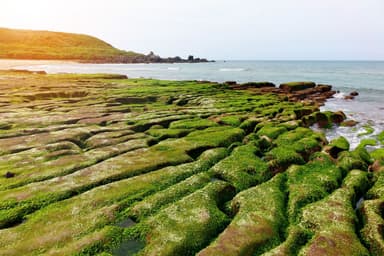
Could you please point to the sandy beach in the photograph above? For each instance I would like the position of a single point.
(14, 64)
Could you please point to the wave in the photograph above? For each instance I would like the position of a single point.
(339, 95)
(173, 68)
(232, 69)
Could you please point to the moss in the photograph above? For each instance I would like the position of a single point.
(297, 86)
(271, 131)
(371, 233)
(291, 125)
(367, 142)
(249, 125)
(257, 224)
(197, 123)
(309, 183)
(84, 166)
(377, 190)
(380, 137)
(231, 120)
(368, 130)
(363, 154)
(80, 215)
(188, 225)
(378, 154)
(162, 134)
(336, 146)
(332, 220)
(296, 238)
(282, 157)
(153, 203)
(242, 168)
(257, 84)
(351, 160)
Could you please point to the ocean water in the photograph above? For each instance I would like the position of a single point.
(366, 77)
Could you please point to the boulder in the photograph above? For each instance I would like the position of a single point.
(258, 85)
(349, 97)
(230, 83)
(354, 93)
(337, 146)
(296, 86)
(349, 123)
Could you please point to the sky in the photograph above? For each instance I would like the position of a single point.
(216, 29)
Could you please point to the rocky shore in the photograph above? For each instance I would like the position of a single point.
(105, 165)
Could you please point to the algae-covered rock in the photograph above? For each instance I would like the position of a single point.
(280, 158)
(95, 164)
(372, 231)
(258, 85)
(332, 220)
(187, 225)
(271, 131)
(243, 168)
(380, 137)
(336, 146)
(259, 217)
(296, 86)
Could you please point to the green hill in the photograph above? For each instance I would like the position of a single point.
(46, 45)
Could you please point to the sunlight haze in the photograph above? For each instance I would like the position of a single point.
(216, 29)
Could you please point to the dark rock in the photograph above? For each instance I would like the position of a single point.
(349, 97)
(230, 83)
(338, 117)
(322, 119)
(336, 146)
(258, 85)
(296, 86)
(9, 175)
(324, 87)
(349, 123)
(376, 166)
(354, 93)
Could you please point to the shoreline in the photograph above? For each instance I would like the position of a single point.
(139, 162)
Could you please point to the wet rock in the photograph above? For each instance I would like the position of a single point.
(349, 123)
(258, 85)
(324, 87)
(354, 93)
(5, 126)
(296, 86)
(230, 83)
(338, 117)
(337, 146)
(376, 166)
(9, 175)
(349, 97)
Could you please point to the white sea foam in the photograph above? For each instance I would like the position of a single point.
(231, 69)
(339, 95)
(174, 68)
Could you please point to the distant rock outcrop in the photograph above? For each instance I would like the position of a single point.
(47, 45)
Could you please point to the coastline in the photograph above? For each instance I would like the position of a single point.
(123, 156)
(14, 63)
(345, 77)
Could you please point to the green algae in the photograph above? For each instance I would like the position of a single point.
(309, 183)
(368, 130)
(380, 137)
(157, 152)
(259, 217)
(371, 233)
(187, 225)
(242, 168)
(271, 131)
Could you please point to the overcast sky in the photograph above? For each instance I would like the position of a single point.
(216, 29)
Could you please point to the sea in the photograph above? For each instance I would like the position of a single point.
(365, 77)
